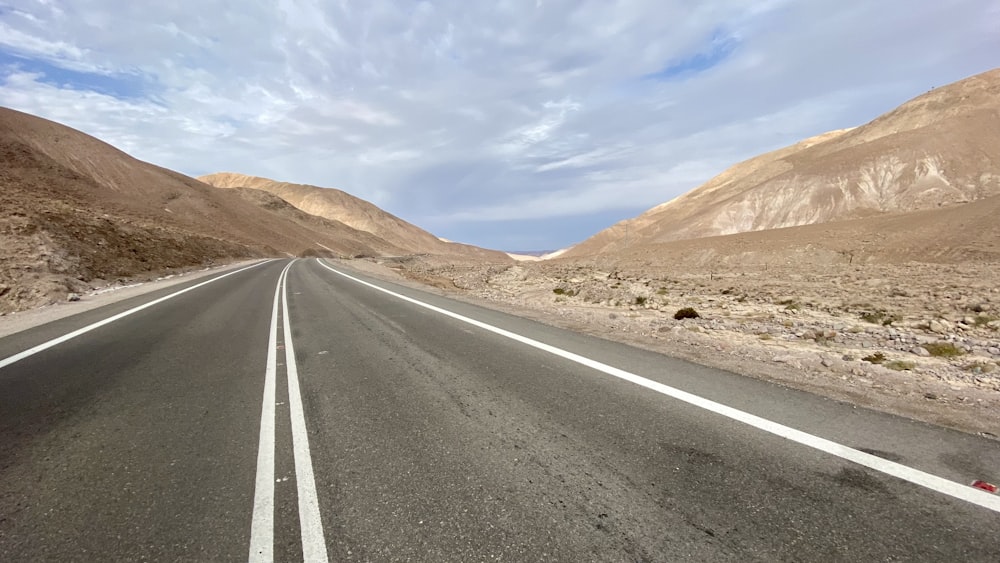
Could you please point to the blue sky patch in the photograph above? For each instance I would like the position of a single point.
(719, 49)
(123, 86)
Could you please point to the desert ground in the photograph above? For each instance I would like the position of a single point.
(918, 340)
(99, 293)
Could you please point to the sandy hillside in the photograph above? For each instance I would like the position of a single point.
(343, 207)
(78, 213)
(939, 149)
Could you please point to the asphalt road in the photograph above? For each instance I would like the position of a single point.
(347, 423)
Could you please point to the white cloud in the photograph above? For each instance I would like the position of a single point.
(587, 159)
(384, 156)
(452, 113)
(553, 115)
(26, 44)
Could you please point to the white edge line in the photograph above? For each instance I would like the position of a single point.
(310, 522)
(262, 525)
(904, 472)
(69, 336)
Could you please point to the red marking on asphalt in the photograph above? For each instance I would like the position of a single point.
(988, 487)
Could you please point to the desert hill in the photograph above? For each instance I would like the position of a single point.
(957, 234)
(939, 149)
(77, 212)
(340, 206)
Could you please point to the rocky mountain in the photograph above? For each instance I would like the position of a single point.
(341, 206)
(939, 149)
(76, 213)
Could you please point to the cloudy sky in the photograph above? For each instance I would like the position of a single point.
(509, 124)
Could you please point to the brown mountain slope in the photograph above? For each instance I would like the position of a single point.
(938, 149)
(75, 210)
(340, 206)
(349, 241)
(951, 235)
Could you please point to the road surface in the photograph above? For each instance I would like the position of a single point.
(296, 410)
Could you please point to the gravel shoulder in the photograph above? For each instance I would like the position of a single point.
(904, 339)
(11, 323)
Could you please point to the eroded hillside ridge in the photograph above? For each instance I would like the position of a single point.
(341, 206)
(939, 149)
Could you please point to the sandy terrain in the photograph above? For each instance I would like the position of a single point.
(104, 295)
(903, 338)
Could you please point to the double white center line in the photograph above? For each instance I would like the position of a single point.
(262, 526)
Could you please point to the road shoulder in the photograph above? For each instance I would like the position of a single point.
(13, 323)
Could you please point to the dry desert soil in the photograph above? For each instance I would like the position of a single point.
(918, 340)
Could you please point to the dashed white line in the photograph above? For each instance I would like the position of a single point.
(69, 336)
(898, 470)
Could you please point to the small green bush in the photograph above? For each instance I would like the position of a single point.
(878, 317)
(686, 313)
(876, 358)
(980, 367)
(563, 291)
(640, 300)
(983, 320)
(944, 350)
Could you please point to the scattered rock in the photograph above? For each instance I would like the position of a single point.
(819, 342)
